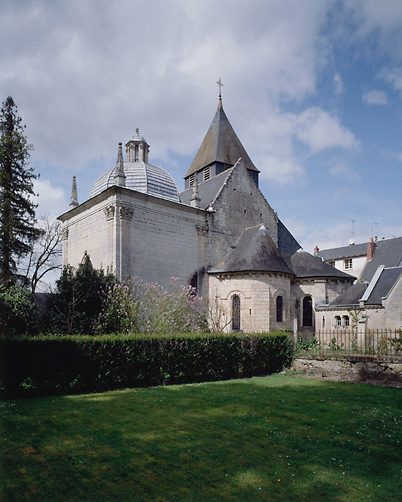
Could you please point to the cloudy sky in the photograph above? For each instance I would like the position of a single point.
(312, 88)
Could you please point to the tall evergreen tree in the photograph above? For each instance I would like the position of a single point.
(17, 209)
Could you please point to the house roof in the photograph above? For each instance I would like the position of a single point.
(254, 251)
(388, 252)
(351, 296)
(351, 251)
(384, 284)
(220, 144)
(305, 265)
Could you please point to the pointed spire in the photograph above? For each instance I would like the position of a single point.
(119, 176)
(74, 194)
(195, 198)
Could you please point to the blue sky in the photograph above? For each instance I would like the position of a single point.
(312, 88)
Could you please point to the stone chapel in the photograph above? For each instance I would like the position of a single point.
(220, 235)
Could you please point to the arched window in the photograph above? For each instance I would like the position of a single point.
(279, 309)
(236, 313)
(307, 312)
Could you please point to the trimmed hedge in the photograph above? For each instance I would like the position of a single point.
(51, 365)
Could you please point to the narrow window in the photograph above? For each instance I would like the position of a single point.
(348, 264)
(307, 312)
(323, 322)
(338, 321)
(136, 154)
(207, 173)
(236, 313)
(279, 309)
(191, 180)
(346, 321)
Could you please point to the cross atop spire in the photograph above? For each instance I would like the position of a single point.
(219, 82)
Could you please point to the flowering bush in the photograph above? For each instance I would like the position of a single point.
(136, 306)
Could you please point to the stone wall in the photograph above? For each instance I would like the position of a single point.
(239, 205)
(351, 370)
(138, 235)
(258, 293)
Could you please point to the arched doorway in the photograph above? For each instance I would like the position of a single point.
(307, 312)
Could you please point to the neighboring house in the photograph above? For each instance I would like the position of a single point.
(350, 259)
(220, 235)
(375, 300)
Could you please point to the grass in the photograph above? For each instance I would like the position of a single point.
(278, 438)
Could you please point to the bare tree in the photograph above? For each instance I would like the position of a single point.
(45, 255)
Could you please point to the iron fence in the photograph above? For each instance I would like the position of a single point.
(377, 345)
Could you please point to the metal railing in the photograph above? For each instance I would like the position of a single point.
(341, 343)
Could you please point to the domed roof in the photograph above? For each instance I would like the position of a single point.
(136, 173)
(141, 177)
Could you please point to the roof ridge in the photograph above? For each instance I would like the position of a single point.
(223, 184)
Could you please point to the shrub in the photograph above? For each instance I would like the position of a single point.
(63, 365)
(135, 306)
(77, 302)
(18, 310)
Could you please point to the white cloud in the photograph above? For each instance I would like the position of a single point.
(320, 130)
(340, 169)
(51, 200)
(338, 83)
(375, 97)
(393, 76)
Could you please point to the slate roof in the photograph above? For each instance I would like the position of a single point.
(351, 251)
(287, 244)
(305, 265)
(351, 296)
(254, 251)
(220, 144)
(383, 286)
(207, 190)
(388, 252)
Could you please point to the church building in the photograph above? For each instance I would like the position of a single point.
(220, 235)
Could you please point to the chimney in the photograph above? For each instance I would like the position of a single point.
(370, 249)
(316, 249)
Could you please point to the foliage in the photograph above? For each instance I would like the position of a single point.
(278, 439)
(306, 345)
(18, 311)
(77, 302)
(135, 306)
(17, 210)
(63, 365)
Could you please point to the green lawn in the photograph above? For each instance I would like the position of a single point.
(280, 438)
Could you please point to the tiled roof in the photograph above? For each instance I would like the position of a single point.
(220, 144)
(207, 190)
(254, 251)
(305, 265)
(388, 252)
(351, 297)
(351, 251)
(383, 286)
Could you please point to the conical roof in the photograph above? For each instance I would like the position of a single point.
(220, 144)
(254, 251)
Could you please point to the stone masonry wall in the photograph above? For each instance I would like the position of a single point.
(258, 293)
